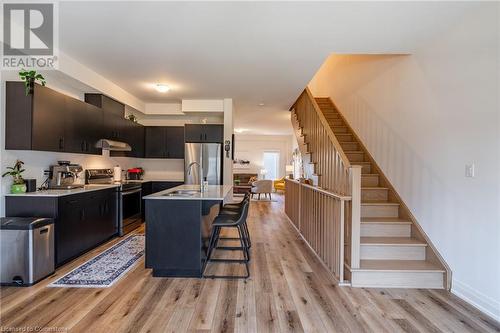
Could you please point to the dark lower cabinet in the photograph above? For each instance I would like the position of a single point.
(82, 221)
(204, 133)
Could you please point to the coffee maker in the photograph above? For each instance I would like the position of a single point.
(63, 175)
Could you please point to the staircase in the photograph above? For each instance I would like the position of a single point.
(394, 251)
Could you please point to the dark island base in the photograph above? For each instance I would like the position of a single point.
(177, 235)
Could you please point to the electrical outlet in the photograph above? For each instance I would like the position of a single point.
(470, 170)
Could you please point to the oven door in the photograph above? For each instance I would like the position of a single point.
(131, 218)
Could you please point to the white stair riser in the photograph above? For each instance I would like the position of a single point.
(375, 194)
(397, 279)
(385, 230)
(369, 181)
(379, 210)
(355, 157)
(392, 252)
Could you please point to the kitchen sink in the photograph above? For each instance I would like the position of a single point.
(182, 193)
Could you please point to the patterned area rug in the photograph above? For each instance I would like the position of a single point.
(105, 269)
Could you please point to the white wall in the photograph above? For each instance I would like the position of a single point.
(252, 148)
(425, 116)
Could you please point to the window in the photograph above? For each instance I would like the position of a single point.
(271, 164)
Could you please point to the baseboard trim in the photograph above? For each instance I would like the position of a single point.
(478, 300)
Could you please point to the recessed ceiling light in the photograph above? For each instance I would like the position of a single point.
(163, 88)
(261, 104)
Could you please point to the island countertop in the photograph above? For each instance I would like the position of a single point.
(213, 192)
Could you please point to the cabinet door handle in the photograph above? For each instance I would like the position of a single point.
(86, 146)
(205, 136)
(82, 146)
(61, 143)
(82, 214)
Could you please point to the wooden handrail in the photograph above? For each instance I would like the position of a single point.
(328, 129)
(331, 165)
(319, 189)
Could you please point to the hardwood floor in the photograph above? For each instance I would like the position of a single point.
(289, 290)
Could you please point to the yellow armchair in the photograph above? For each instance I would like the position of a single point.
(279, 184)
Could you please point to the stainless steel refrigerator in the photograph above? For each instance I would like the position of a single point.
(208, 158)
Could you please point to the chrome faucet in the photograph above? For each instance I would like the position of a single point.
(188, 169)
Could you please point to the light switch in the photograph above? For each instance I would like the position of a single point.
(470, 171)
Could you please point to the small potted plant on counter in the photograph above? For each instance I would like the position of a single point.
(18, 186)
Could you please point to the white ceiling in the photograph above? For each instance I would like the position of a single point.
(253, 52)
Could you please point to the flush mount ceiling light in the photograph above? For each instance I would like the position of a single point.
(261, 104)
(163, 88)
(240, 130)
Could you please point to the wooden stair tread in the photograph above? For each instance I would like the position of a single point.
(369, 174)
(399, 265)
(388, 220)
(405, 241)
(374, 188)
(379, 203)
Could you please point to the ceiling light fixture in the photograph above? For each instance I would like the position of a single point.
(163, 88)
(240, 130)
(261, 104)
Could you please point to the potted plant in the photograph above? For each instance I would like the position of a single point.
(18, 185)
(29, 78)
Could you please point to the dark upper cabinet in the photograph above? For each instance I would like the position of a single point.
(155, 139)
(164, 142)
(204, 133)
(48, 125)
(133, 134)
(106, 103)
(50, 121)
(83, 127)
(175, 142)
(114, 124)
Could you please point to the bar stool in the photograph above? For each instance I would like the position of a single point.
(235, 210)
(229, 221)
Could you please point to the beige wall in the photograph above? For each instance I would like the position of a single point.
(425, 116)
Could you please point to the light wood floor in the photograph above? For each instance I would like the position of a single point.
(288, 290)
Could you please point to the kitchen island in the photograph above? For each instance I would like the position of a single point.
(178, 225)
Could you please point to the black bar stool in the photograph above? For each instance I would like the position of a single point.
(229, 221)
(235, 210)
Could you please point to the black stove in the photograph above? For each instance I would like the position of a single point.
(105, 177)
(129, 198)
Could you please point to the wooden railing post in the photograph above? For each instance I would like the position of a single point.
(355, 215)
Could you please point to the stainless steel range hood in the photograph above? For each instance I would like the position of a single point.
(112, 145)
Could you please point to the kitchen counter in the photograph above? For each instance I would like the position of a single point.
(213, 192)
(61, 193)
